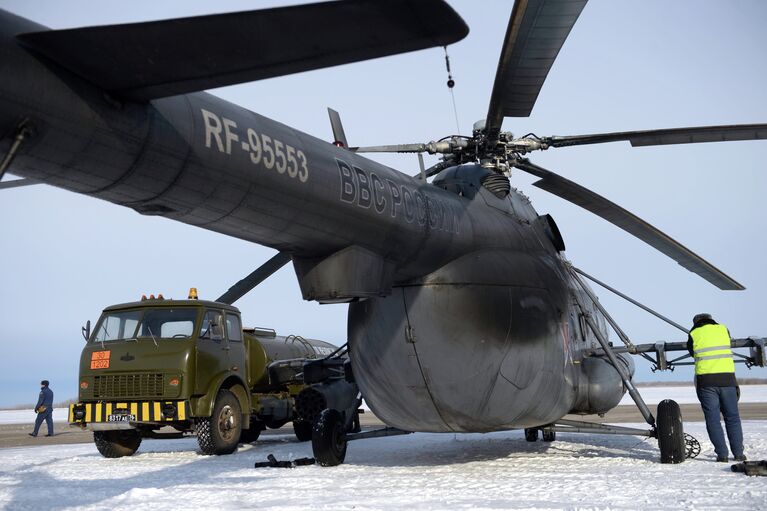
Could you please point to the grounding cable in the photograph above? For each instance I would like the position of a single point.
(450, 85)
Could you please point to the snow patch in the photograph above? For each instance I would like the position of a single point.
(419, 471)
(686, 395)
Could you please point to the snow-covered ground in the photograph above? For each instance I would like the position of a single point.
(28, 416)
(654, 395)
(420, 471)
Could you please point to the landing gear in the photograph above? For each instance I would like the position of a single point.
(531, 434)
(670, 432)
(329, 439)
(549, 436)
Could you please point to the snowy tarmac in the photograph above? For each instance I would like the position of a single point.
(419, 471)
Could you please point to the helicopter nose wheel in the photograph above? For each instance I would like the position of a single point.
(531, 434)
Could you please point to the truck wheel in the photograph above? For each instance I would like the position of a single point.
(303, 430)
(329, 439)
(116, 444)
(220, 433)
(670, 432)
(250, 435)
(531, 434)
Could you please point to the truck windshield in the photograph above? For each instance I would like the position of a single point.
(168, 323)
(160, 323)
(114, 326)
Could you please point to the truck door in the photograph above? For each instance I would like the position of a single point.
(212, 351)
(238, 363)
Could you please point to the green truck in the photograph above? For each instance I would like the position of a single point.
(190, 365)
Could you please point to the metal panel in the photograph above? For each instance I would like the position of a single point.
(128, 385)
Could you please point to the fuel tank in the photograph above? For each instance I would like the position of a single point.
(600, 386)
(478, 345)
(264, 346)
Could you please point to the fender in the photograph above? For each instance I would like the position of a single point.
(202, 406)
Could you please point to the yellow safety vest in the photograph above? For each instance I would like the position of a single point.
(711, 349)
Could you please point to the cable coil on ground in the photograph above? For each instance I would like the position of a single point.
(692, 446)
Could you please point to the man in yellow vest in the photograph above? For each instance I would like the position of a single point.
(715, 383)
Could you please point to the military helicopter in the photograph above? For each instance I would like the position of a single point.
(460, 272)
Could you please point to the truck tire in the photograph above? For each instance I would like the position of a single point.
(250, 435)
(329, 438)
(220, 433)
(116, 444)
(303, 430)
(670, 432)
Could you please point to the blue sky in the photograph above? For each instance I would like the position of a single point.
(626, 65)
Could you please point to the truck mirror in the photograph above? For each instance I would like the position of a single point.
(217, 331)
(87, 331)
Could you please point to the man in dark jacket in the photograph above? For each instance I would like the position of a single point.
(44, 409)
(715, 383)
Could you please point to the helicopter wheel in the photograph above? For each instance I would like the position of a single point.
(329, 439)
(549, 436)
(531, 434)
(670, 432)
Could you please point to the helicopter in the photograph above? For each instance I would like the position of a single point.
(459, 271)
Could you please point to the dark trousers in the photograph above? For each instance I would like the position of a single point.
(46, 416)
(724, 400)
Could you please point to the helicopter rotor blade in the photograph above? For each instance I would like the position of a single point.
(591, 201)
(536, 31)
(155, 59)
(397, 148)
(668, 136)
(255, 278)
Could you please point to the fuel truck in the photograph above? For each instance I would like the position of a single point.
(189, 364)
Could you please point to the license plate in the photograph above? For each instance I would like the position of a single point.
(121, 418)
